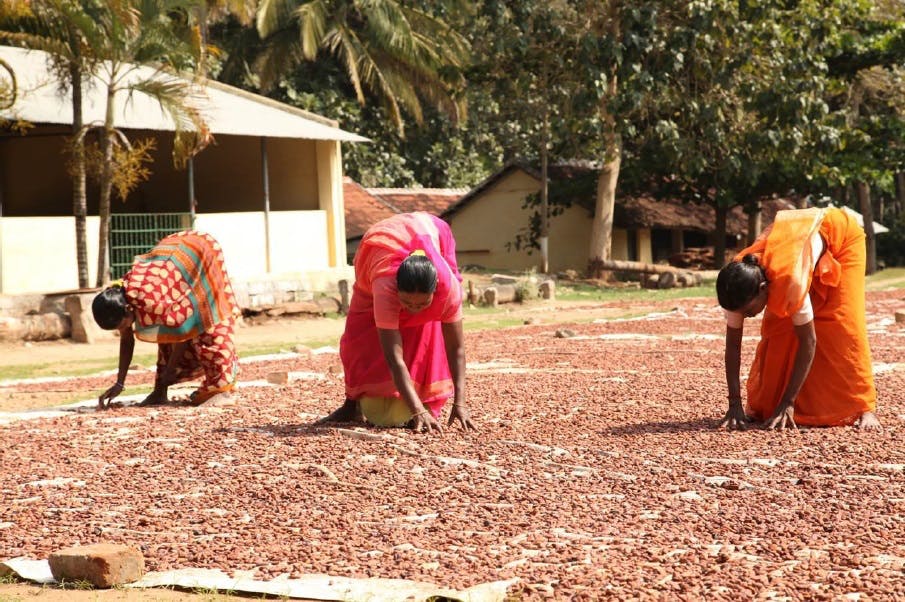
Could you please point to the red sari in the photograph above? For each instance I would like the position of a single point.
(840, 386)
(383, 247)
(180, 291)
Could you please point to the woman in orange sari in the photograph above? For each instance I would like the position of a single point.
(402, 349)
(179, 296)
(812, 365)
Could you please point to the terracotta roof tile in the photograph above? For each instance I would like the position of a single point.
(362, 209)
(431, 200)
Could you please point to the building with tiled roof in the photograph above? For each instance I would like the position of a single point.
(431, 200)
(362, 210)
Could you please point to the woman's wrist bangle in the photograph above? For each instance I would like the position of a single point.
(423, 411)
(120, 384)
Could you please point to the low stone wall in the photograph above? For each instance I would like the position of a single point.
(63, 314)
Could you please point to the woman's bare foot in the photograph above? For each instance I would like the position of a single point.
(349, 411)
(869, 422)
(155, 398)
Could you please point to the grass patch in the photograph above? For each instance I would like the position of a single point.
(9, 578)
(74, 368)
(286, 347)
(587, 292)
(888, 278)
(490, 323)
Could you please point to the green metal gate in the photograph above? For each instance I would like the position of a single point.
(132, 234)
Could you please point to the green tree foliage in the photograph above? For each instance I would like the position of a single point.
(400, 53)
(747, 106)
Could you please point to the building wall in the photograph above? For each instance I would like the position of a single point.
(228, 176)
(38, 254)
(484, 226)
(33, 178)
(298, 241)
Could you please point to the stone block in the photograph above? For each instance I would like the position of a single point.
(666, 280)
(84, 328)
(103, 565)
(490, 296)
(503, 279)
(278, 378)
(548, 290)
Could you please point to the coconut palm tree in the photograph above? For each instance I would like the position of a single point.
(397, 52)
(138, 34)
(61, 28)
(110, 40)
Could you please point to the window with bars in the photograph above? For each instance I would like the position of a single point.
(132, 234)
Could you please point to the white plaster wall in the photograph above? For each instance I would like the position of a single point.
(38, 254)
(298, 241)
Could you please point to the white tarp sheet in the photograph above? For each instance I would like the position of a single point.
(311, 587)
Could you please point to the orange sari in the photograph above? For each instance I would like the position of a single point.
(840, 386)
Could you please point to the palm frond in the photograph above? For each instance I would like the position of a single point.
(280, 56)
(179, 100)
(272, 15)
(312, 23)
(351, 52)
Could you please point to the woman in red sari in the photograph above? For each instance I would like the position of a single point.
(179, 296)
(812, 365)
(402, 348)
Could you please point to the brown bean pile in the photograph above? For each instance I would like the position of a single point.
(598, 471)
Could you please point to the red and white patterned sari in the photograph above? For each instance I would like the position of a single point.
(180, 292)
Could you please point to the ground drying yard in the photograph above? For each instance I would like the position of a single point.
(597, 471)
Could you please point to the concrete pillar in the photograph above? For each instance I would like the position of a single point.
(330, 198)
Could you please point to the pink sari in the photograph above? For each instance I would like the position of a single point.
(384, 246)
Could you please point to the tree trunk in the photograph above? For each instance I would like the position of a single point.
(755, 221)
(79, 193)
(544, 201)
(867, 212)
(602, 227)
(719, 242)
(900, 193)
(103, 264)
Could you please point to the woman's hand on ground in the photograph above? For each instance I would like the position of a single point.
(103, 402)
(783, 417)
(869, 422)
(735, 418)
(460, 412)
(424, 422)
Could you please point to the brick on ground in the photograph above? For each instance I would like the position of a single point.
(102, 565)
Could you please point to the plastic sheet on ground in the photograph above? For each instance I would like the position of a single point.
(309, 587)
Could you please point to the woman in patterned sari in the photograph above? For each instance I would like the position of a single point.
(179, 296)
(402, 348)
(812, 365)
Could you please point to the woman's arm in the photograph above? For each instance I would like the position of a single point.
(735, 417)
(454, 340)
(126, 349)
(784, 414)
(391, 344)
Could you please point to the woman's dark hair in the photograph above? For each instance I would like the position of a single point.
(416, 274)
(109, 307)
(739, 282)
